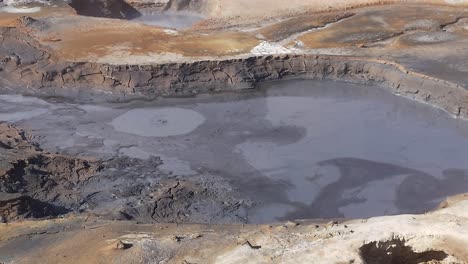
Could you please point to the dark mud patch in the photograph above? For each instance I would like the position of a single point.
(38, 184)
(135, 189)
(396, 251)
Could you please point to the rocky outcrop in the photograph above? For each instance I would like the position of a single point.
(105, 8)
(22, 207)
(37, 184)
(28, 65)
(33, 182)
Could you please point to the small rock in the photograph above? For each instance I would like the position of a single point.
(252, 246)
(291, 224)
(179, 238)
(123, 245)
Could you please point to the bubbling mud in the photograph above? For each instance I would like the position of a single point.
(163, 122)
(296, 149)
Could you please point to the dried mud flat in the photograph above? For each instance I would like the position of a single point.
(95, 169)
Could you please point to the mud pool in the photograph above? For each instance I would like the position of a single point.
(177, 20)
(297, 149)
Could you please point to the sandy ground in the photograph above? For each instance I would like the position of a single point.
(438, 237)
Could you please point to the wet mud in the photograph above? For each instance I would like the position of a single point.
(291, 150)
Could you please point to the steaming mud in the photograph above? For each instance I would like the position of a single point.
(177, 20)
(297, 149)
(21, 10)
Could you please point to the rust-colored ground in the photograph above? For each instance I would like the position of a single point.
(299, 24)
(377, 25)
(99, 39)
(77, 38)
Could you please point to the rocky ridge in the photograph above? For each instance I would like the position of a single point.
(33, 69)
(31, 179)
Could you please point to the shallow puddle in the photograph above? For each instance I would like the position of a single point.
(298, 149)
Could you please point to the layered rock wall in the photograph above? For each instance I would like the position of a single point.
(25, 64)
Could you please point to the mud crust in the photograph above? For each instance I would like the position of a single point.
(27, 64)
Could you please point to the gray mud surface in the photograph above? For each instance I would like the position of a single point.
(292, 150)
